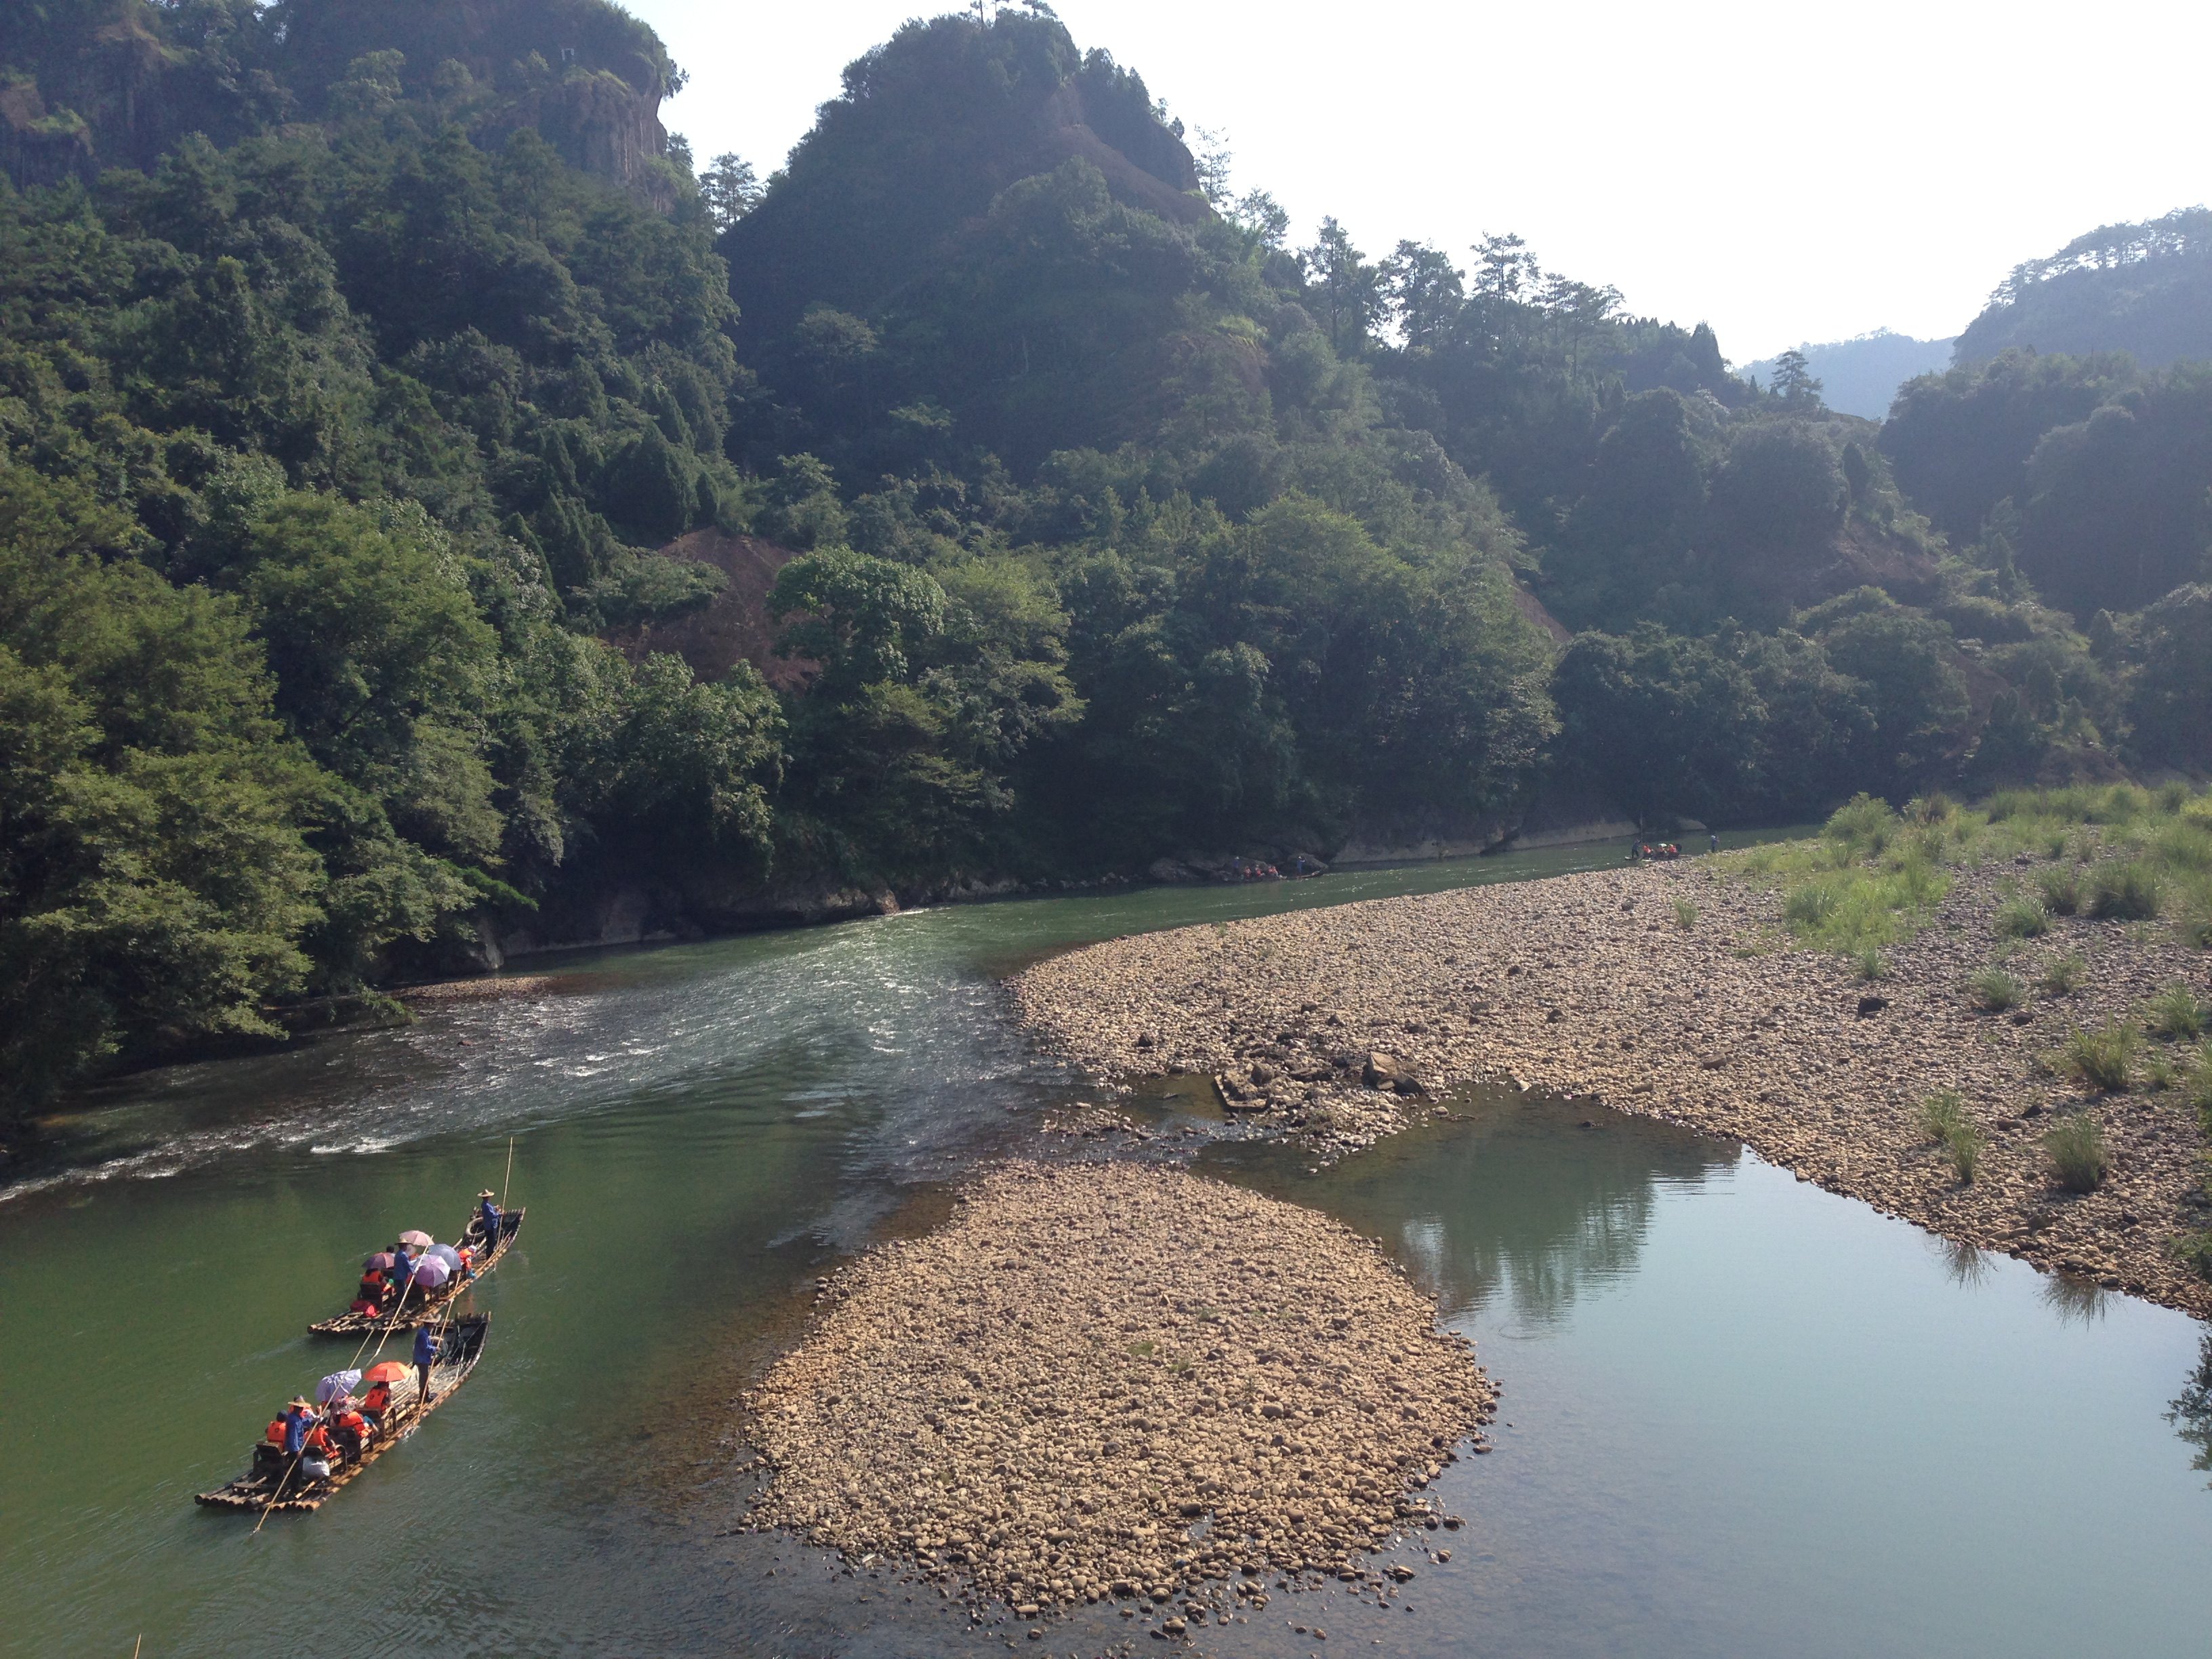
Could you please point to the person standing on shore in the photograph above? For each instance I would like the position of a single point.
(1712, 840)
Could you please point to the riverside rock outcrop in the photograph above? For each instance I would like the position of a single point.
(1588, 985)
(1116, 1381)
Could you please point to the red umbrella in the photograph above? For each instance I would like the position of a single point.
(388, 1370)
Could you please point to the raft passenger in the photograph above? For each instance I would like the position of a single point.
(351, 1431)
(316, 1451)
(376, 1404)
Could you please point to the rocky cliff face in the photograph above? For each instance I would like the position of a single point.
(604, 126)
(37, 145)
(118, 82)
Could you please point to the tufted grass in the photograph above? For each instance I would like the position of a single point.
(1943, 1115)
(1995, 990)
(2103, 1057)
(2175, 1014)
(2062, 976)
(2075, 1146)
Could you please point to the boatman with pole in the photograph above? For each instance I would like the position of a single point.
(489, 1218)
(426, 1355)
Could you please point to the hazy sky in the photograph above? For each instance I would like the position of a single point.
(1784, 171)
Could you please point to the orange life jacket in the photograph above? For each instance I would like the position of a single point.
(276, 1433)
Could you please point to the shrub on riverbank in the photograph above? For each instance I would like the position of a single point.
(2076, 1149)
(2021, 917)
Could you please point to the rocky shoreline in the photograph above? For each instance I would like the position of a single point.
(1672, 991)
(1111, 1382)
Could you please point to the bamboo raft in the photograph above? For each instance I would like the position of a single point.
(272, 1481)
(422, 1307)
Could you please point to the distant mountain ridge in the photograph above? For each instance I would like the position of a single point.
(1860, 376)
(2142, 289)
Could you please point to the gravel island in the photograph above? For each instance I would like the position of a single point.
(1337, 1026)
(1113, 1381)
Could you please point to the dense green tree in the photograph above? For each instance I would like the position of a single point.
(2120, 507)
(1794, 382)
(1665, 725)
(156, 878)
(1914, 688)
(1961, 440)
(1348, 291)
(729, 189)
(2172, 705)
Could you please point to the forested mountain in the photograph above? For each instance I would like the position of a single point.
(380, 386)
(1861, 376)
(2145, 289)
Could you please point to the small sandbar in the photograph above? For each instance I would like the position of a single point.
(1108, 1380)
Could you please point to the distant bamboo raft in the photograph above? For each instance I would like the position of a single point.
(274, 1481)
(422, 1307)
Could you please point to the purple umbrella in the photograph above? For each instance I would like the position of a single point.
(380, 1262)
(431, 1272)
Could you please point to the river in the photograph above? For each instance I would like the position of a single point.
(1741, 1415)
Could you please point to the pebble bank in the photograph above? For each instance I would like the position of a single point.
(1104, 1381)
(1337, 1026)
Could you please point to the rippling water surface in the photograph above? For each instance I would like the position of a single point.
(1748, 1417)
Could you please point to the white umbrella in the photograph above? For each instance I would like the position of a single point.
(335, 1383)
(432, 1271)
(415, 1237)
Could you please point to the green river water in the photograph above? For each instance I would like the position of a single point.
(1745, 1417)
